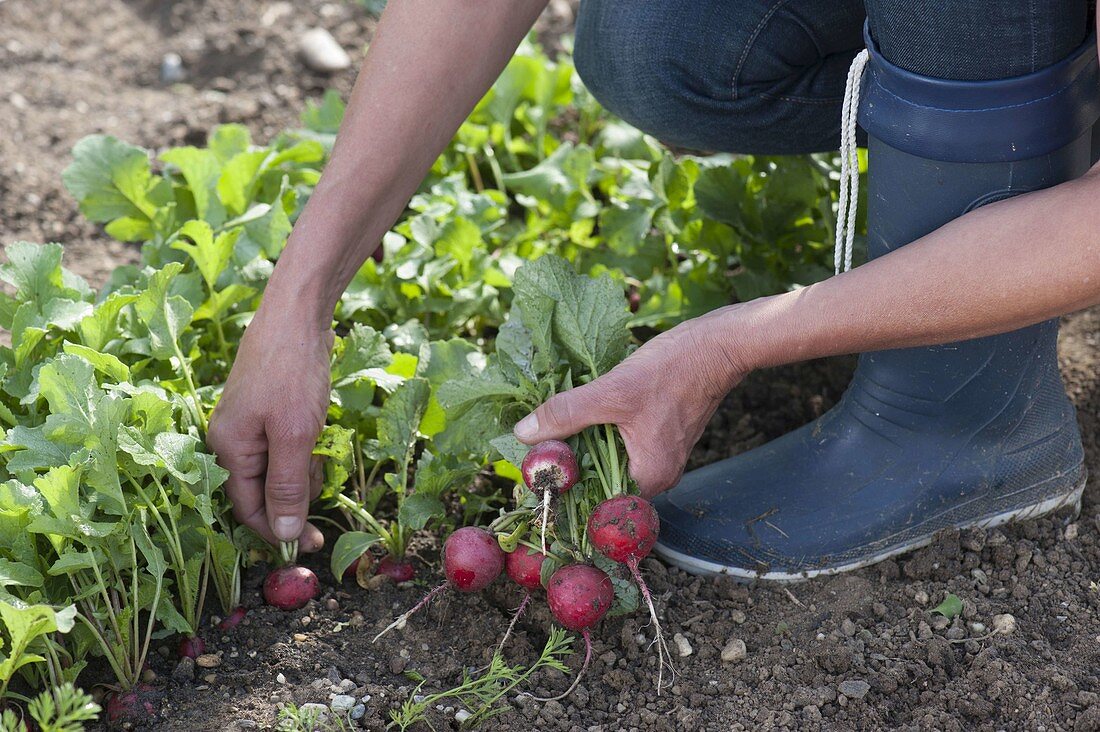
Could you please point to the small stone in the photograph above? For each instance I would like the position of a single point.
(300, 637)
(357, 620)
(939, 622)
(171, 69)
(332, 604)
(854, 688)
(734, 651)
(462, 715)
(848, 628)
(280, 678)
(682, 645)
(244, 724)
(321, 53)
(345, 685)
(148, 675)
(208, 660)
(210, 678)
(342, 703)
(977, 628)
(358, 712)
(276, 12)
(306, 620)
(1071, 532)
(1004, 624)
(920, 597)
(184, 672)
(956, 633)
(737, 616)
(397, 665)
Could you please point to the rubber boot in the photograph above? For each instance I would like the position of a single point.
(972, 433)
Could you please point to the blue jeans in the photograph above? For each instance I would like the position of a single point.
(767, 76)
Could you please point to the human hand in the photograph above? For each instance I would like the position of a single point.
(267, 422)
(661, 398)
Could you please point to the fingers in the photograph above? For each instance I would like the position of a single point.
(288, 482)
(566, 414)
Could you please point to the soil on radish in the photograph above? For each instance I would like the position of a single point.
(872, 628)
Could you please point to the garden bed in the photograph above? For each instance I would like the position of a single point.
(854, 652)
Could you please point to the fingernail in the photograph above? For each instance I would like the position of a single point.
(287, 528)
(528, 427)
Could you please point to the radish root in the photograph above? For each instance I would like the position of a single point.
(515, 619)
(545, 516)
(664, 655)
(401, 620)
(580, 674)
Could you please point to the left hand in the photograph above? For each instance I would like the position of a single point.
(661, 398)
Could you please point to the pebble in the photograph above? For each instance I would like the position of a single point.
(342, 703)
(737, 616)
(1004, 624)
(332, 604)
(184, 670)
(397, 665)
(956, 633)
(462, 715)
(171, 69)
(854, 688)
(210, 678)
(345, 686)
(977, 628)
(148, 675)
(939, 622)
(848, 628)
(208, 660)
(358, 712)
(734, 650)
(321, 53)
(1071, 532)
(280, 678)
(300, 637)
(682, 645)
(920, 597)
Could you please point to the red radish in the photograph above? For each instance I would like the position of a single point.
(579, 595)
(133, 706)
(191, 647)
(624, 529)
(233, 619)
(634, 299)
(472, 559)
(399, 570)
(524, 566)
(291, 587)
(549, 469)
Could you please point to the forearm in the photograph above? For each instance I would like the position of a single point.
(1001, 267)
(428, 65)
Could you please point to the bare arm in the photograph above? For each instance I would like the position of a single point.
(430, 62)
(428, 65)
(1001, 267)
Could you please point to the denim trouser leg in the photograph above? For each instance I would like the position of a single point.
(767, 76)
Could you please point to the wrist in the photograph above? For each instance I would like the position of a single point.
(763, 333)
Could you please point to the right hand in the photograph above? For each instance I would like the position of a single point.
(266, 424)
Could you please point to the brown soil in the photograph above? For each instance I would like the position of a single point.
(72, 68)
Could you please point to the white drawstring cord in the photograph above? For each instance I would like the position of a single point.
(849, 166)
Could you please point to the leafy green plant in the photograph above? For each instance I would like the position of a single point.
(62, 708)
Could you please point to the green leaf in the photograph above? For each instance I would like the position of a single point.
(17, 573)
(211, 254)
(101, 327)
(349, 546)
(359, 355)
(510, 449)
(490, 385)
(237, 182)
(163, 314)
(24, 625)
(201, 169)
(35, 272)
(399, 418)
(326, 116)
(228, 140)
(588, 317)
(105, 363)
(218, 305)
(418, 509)
(950, 607)
(110, 179)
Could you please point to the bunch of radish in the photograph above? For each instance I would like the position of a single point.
(623, 528)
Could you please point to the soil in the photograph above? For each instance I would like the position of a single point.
(861, 651)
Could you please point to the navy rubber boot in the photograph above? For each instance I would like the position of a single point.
(972, 433)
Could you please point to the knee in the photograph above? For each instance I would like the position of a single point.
(700, 75)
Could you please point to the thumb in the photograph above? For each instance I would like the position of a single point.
(287, 487)
(566, 414)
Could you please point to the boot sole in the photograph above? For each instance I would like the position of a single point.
(694, 565)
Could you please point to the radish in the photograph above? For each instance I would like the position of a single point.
(624, 529)
(549, 469)
(233, 619)
(399, 570)
(290, 587)
(133, 707)
(472, 559)
(191, 647)
(579, 595)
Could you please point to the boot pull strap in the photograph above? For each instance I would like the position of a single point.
(848, 202)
